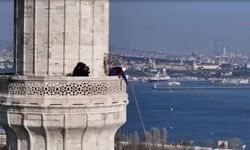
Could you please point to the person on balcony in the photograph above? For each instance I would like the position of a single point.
(117, 71)
(81, 69)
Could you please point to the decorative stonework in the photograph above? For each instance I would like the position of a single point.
(40, 107)
(62, 113)
(61, 87)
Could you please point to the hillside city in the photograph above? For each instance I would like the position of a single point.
(6, 56)
(142, 65)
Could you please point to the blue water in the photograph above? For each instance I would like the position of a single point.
(197, 115)
(4, 71)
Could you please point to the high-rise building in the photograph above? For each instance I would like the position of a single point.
(42, 107)
(224, 52)
(215, 46)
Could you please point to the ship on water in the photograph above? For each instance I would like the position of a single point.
(167, 85)
(159, 77)
(174, 83)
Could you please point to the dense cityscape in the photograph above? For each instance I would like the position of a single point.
(142, 65)
(6, 56)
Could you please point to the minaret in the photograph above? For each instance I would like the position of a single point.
(42, 107)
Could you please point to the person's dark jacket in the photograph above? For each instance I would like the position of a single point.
(81, 70)
(117, 71)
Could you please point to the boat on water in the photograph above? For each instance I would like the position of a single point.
(155, 79)
(174, 83)
(159, 77)
(167, 85)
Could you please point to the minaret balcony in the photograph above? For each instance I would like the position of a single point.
(61, 91)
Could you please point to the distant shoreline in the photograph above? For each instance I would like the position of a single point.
(199, 88)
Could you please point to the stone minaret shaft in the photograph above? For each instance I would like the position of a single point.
(53, 35)
(41, 107)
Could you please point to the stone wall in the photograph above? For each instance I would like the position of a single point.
(53, 35)
(79, 118)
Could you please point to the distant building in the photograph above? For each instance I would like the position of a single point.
(205, 66)
(215, 45)
(224, 52)
(222, 144)
(223, 55)
(178, 67)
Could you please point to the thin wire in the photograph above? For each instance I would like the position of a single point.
(139, 112)
(138, 108)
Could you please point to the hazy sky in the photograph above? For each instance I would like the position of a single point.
(6, 20)
(179, 26)
(182, 26)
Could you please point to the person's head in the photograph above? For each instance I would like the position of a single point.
(81, 64)
(119, 71)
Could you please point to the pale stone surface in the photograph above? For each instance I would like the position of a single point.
(59, 33)
(62, 122)
(40, 107)
(41, 46)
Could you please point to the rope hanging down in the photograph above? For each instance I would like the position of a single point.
(138, 108)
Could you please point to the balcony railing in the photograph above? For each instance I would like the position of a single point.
(60, 86)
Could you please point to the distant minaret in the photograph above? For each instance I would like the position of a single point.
(42, 107)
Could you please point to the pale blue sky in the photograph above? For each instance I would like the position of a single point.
(182, 26)
(6, 20)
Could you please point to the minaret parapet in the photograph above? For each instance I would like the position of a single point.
(70, 91)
